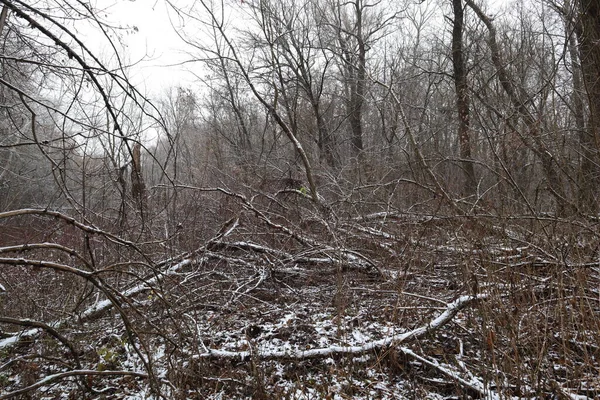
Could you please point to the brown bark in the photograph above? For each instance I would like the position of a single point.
(462, 99)
(518, 97)
(123, 192)
(358, 93)
(325, 141)
(3, 15)
(353, 51)
(138, 186)
(588, 33)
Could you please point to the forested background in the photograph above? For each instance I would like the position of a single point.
(350, 199)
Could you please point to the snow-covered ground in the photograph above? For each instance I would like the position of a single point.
(438, 318)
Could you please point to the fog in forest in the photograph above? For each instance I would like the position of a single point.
(311, 199)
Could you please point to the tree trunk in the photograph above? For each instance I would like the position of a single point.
(138, 186)
(353, 53)
(462, 99)
(3, 15)
(589, 51)
(533, 139)
(325, 140)
(358, 93)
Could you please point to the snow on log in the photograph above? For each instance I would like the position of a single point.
(451, 310)
(62, 375)
(99, 308)
(473, 384)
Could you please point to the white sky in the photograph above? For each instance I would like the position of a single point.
(155, 48)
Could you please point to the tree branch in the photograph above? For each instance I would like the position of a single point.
(451, 310)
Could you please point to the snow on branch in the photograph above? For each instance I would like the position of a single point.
(62, 375)
(330, 255)
(70, 221)
(473, 384)
(451, 310)
(99, 308)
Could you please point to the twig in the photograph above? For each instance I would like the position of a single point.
(451, 310)
(52, 378)
(473, 384)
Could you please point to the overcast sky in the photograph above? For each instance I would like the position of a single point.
(154, 46)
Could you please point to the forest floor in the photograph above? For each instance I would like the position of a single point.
(433, 316)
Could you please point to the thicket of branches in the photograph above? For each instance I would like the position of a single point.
(424, 173)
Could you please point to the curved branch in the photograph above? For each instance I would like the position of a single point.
(71, 221)
(52, 331)
(70, 52)
(451, 310)
(37, 246)
(47, 264)
(270, 108)
(61, 375)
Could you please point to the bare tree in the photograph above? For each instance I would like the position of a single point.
(173, 252)
(519, 98)
(356, 27)
(302, 60)
(587, 27)
(253, 80)
(462, 97)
